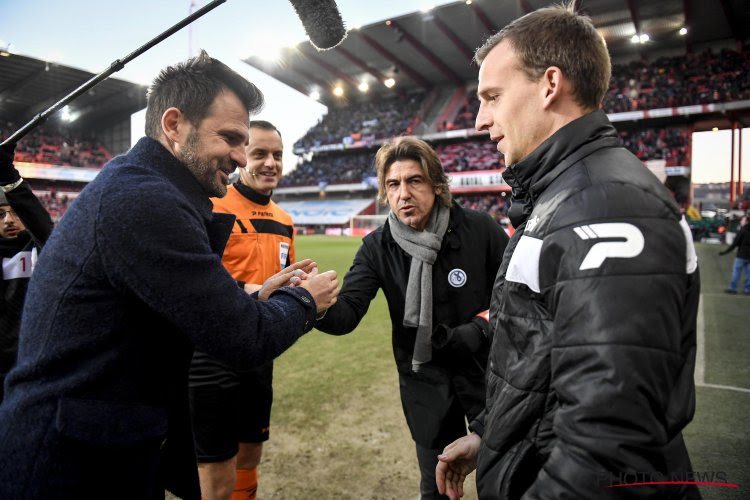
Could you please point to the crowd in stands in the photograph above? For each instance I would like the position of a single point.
(55, 203)
(670, 144)
(667, 82)
(366, 121)
(466, 116)
(494, 204)
(345, 168)
(53, 146)
(480, 154)
(355, 167)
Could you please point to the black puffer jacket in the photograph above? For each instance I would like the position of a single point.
(590, 379)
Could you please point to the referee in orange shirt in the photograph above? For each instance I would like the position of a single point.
(232, 410)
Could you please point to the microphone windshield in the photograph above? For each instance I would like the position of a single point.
(322, 21)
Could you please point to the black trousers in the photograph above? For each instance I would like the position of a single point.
(427, 459)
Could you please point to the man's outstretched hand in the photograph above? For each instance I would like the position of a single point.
(289, 276)
(456, 462)
(324, 288)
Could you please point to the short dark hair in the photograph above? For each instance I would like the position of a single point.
(558, 36)
(411, 148)
(191, 86)
(264, 125)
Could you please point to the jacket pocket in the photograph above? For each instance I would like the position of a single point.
(109, 423)
(522, 470)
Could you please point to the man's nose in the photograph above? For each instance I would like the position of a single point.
(404, 193)
(237, 155)
(483, 121)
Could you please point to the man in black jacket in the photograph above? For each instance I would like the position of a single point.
(24, 227)
(742, 261)
(590, 378)
(435, 263)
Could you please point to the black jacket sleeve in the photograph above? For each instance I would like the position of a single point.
(31, 212)
(361, 283)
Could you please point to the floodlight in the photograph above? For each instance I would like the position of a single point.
(683, 31)
(389, 82)
(635, 38)
(315, 95)
(338, 91)
(468, 2)
(364, 87)
(644, 38)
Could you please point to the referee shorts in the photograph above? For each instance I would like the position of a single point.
(228, 407)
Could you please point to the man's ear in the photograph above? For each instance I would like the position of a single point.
(552, 82)
(172, 125)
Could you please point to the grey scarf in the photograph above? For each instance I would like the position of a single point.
(423, 247)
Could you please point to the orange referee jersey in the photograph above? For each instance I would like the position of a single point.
(262, 239)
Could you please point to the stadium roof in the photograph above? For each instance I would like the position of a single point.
(425, 49)
(29, 86)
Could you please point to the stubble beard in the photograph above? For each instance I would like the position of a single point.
(201, 168)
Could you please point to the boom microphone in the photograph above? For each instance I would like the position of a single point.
(322, 21)
(117, 65)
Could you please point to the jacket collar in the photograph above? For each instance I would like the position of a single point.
(531, 176)
(252, 195)
(151, 154)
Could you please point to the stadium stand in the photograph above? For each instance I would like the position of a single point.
(367, 120)
(683, 80)
(331, 169)
(477, 154)
(435, 102)
(670, 144)
(496, 205)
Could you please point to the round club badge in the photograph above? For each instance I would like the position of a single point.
(457, 278)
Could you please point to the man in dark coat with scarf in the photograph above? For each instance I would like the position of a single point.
(129, 282)
(590, 377)
(435, 263)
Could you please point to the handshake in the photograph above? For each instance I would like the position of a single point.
(324, 287)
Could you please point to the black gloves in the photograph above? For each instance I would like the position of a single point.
(8, 173)
(464, 339)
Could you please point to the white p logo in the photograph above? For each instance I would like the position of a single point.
(631, 247)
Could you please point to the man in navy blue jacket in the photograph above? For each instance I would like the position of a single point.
(129, 282)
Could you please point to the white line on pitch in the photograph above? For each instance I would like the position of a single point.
(700, 346)
(700, 354)
(724, 387)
